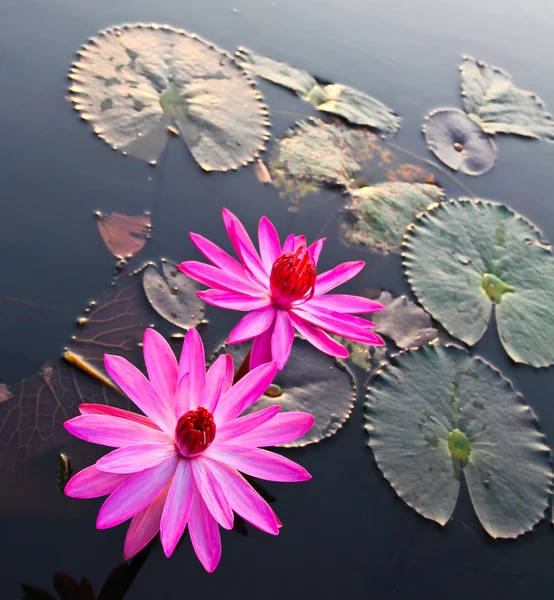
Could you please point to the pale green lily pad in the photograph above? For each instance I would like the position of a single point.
(493, 100)
(464, 257)
(133, 82)
(173, 295)
(311, 382)
(377, 216)
(436, 413)
(337, 99)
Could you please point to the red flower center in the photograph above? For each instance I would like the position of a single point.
(194, 432)
(293, 277)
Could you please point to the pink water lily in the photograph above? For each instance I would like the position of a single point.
(282, 292)
(178, 466)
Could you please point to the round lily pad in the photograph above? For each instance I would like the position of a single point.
(377, 215)
(311, 382)
(459, 142)
(133, 82)
(437, 414)
(173, 295)
(464, 257)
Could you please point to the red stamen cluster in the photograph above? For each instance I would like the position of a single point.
(293, 277)
(194, 432)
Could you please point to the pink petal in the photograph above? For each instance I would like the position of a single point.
(92, 483)
(260, 353)
(193, 362)
(244, 500)
(234, 301)
(258, 463)
(135, 494)
(132, 459)
(236, 231)
(318, 338)
(177, 507)
(282, 429)
(340, 326)
(282, 338)
(315, 249)
(182, 395)
(214, 253)
(242, 425)
(344, 303)
(144, 526)
(161, 365)
(268, 240)
(113, 431)
(288, 245)
(215, 379)
(340, 274)
(244, 393)
(217, 278)
(140, 391)
(299, 242)
(212, 494)
(333, 315)
(104, 409)
(204, 534)
(251, 325)
(229, 376)
(251, 260)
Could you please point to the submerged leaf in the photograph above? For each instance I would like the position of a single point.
(464, 257)
(492, 98)
(437, 413)
(124, 235)
(314, 154)
(337, 99)
(311, 382)
(173, 295)
(5, 393)
(377, 216)
(134, 81)
(459, 142)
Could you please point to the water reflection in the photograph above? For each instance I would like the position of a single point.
(116, 586)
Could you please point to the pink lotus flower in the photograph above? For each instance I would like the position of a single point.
(179, 465)
(281, 288)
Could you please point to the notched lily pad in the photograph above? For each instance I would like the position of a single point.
(133, 82)
(311, 382)
(492, 99)
(173, 295)
(314, 154)
(459, 142)
(377, 216)
(124, 235)
(337, 99)
(464, 257)
(436, 414)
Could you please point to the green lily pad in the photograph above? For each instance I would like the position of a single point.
(311, 382)
(314, 154)
(435, 414)
(493, 100)
(464, 257)
(377, 216)
(133, 82)
(337, 99)
(173, 295)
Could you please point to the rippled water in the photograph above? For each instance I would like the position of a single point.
(346, 533)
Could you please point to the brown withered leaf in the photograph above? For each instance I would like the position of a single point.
(5, 393)
(262, 172)
(124, 235)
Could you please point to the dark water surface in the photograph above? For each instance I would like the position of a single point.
(346, 533)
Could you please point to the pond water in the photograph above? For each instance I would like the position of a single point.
(346, 532)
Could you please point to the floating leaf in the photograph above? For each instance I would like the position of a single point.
(437, 413)
(311, 382)
(173, 295)
(124, 235)
(464, 257)
(377, 215)
(337, 99)
(314, 154)
(133, 82)
(459, 142)
(491, 97)
(361, 355)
